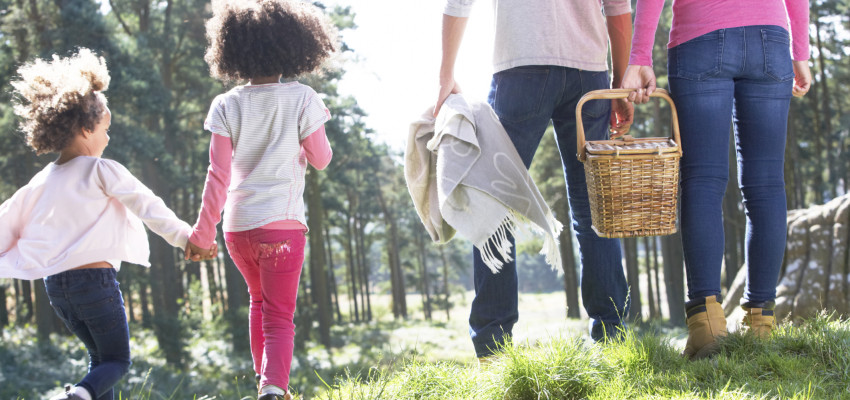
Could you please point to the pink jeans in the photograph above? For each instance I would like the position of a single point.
(270, 260)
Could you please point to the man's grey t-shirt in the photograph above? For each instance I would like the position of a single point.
(567, 33)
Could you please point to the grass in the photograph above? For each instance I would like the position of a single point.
(806, 361)
(416, 359)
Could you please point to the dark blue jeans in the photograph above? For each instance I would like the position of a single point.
(526, 99)
(90, 304)
(742, 75)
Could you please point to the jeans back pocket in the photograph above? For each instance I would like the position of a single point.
(777, 54)
(519, 92)
(697, 59)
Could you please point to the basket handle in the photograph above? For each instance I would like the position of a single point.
(611, 94)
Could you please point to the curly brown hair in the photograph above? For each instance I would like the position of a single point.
(58, 99)
(259, 38)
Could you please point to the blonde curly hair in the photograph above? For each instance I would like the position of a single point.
(58, 99)
(259, 38)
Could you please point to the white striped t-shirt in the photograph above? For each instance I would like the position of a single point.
(266, 124)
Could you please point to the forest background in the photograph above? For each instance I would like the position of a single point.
(371, 269)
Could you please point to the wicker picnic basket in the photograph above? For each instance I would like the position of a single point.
(632, 183)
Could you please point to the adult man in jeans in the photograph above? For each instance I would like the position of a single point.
(548, 53)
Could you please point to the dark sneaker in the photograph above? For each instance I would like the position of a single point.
(603, 332)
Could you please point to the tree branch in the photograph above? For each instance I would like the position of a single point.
(120, 20)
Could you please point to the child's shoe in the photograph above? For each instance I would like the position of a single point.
(274, 396)
(759, 318)
(271, 392)
(70, 394)
(706, 323)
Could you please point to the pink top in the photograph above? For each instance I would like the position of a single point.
(693, 18)
(316, 148)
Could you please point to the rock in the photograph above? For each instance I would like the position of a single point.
(816, 271)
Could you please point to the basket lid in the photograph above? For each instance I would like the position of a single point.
(630, 145)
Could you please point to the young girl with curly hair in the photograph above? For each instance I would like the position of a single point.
(78, 218)
(263, 135)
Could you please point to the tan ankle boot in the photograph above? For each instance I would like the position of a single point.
(759, 318)
(706, 322)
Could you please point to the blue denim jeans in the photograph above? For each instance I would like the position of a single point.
(526, 99)
(90, 304)
(742, 75)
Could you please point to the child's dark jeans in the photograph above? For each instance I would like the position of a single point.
(90, 304)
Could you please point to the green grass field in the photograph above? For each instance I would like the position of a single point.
(416, 359)
(809, 361)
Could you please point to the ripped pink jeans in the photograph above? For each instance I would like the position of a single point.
(270, 261)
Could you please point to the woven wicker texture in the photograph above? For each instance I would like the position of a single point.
(633, 184)
(648, 145)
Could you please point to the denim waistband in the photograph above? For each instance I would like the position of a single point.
(63, 279)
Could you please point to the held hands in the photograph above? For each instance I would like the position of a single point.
(642, 78)
(622, 116)
(195, 253)
(802, 78)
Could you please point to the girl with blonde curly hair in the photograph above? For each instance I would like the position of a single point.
(81, 216)
(263, 135)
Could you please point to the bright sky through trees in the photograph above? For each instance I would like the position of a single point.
(397, 44)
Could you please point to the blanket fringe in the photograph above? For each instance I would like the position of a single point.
(496, 249)
(550, 243)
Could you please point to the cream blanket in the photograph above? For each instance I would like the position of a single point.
(465, 175)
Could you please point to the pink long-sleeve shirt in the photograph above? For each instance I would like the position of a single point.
(316, 148)
(693, 18)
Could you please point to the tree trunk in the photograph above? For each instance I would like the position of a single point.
(633, 276)
(353, 308)
(167, 325)
(568, 261)
(128, 300)
(732, 217)
(396, 273)
(653, 306)
(45, 318)
(423, 264)
(318, 274)
(303, 319)
(792, 154)
(4, 311)
(826, 105)
(816, 137)
(165, 282)
(217, 273)
(147, 318)
(655, 270)
(366, 300)
(26, 302)
(237, 304)
(674, 277)
(143, 12)
(446, 291)
(334, 291)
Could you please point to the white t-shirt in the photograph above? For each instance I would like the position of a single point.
(86, 210)
(266, 124)
(566, 33)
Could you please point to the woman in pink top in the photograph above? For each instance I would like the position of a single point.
(728, 62)
(263, 135)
